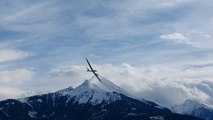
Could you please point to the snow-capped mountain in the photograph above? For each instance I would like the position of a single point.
(92, 100)
(195, 108)
(94, 92)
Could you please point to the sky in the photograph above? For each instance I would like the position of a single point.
(160, 50)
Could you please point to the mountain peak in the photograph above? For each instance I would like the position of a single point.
(189, 105)
(83, 103)
(94, 91)
(195, 108)
(102, 86)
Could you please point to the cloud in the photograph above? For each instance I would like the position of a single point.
(73, 76)
(12, 81)
(20, 14)
(166, 86)
(11, 54)
(15, 77)
(9, 92)
(168, 3)
(127, 19)
(176, 37)
(29, 22)
(158, 83)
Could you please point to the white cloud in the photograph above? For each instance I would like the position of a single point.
(165, 85)
(10, 82)
(169, 3)
(15, 77)
(198, 39)
(9, 92)
(11, 54)
(176, 37)
(63, 76)
(160, 83)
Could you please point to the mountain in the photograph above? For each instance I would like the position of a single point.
(195, 108)
(92, 100)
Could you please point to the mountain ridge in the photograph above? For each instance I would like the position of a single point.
(88, 101)
(195, 108)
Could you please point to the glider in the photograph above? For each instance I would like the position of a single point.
(92, 70)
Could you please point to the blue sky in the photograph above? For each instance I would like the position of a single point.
(43, 46)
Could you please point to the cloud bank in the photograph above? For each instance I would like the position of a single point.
(165, 85)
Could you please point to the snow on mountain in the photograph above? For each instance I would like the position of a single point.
(94, 100)
(94, 91)
(104, 85)
(189, 105)
(195, 108)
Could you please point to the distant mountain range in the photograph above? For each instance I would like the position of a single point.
(92, 100)
(195, 108)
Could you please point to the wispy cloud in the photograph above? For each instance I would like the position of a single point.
(176, 37)
(21, 14)
(11, 54)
